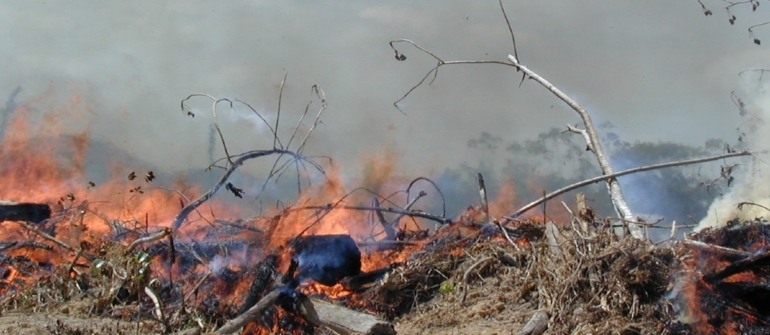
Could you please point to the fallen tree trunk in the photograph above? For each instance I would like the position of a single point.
(22, 211)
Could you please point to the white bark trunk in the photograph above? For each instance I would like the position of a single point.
(592, 140)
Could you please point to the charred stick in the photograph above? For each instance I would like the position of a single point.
(8, 246)
(46, 236)
(154, 237)
(18, 211)
(172, 259)
(483, 196)
(739, 266)
(239, 225)
(197, 285)
(33, 245)
(407, 207)
(251, 314)
(389, 231)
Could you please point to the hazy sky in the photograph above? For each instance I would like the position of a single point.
(656, 69)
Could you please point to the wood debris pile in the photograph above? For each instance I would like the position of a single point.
(466, 277)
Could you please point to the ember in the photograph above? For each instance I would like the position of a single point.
(726, 288)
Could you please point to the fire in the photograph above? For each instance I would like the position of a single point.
(210, 262)
(718, 293)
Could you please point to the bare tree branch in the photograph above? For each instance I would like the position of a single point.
(412, 213)
(571, 187)
(616, 193)
(434, 70)
(177, 223)
(278, 113)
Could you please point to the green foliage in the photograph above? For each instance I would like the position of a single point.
(446, 288)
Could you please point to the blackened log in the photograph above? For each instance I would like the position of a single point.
(327, 259)
(21, 211)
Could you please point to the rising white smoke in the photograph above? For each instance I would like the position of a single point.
(752, 176)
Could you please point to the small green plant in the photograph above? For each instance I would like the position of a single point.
(446, 288)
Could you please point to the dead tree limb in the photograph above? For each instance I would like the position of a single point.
(616, 193)
(389, 231)
(739, 266)
(46, 236)
(621, 173)
(407, 209)
(154, 237)
(342, 320)
(177, 223)
(483, 197)
(251, 314)
(412, 213)
(715, 248)
(537, 324)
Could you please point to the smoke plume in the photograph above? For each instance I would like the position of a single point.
(750, 177)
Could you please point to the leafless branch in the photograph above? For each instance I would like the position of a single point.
(154, 237)
(180, 218)
(616, 193)
(251, 314)
(510, 29)
(434, 70)
(214, 112)
(435, 186)
(413, 213)
(622, 173)
(278, 113)
(319, 93)
(46, 236)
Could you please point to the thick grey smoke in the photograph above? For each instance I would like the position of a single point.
(752, 176)
(656, 69)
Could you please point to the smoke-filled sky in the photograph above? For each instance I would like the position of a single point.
(656, 69)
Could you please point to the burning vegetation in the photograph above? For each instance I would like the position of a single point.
(124, 256)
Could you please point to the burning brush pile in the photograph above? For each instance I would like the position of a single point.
(470, 276)
(128, 257)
